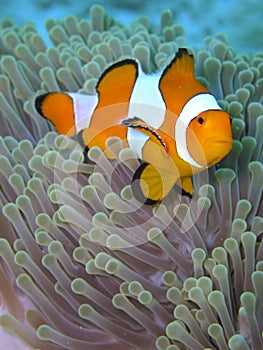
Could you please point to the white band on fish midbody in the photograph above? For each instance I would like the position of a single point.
(136, 140)
(146, 102)
(199, 103)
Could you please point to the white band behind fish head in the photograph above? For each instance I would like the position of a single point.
(196, 105)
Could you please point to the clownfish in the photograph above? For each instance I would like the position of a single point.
(169, 119)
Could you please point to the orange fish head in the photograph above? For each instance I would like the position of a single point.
(209, 137)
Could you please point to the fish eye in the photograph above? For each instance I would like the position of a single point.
(200, 120)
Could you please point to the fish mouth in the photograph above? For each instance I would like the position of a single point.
(224, 145)
(228, 140)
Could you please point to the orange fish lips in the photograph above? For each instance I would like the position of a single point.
(219, 149)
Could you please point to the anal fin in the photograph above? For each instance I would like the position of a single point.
(187, 186)
(151, 185)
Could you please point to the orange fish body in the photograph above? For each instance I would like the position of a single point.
(169, 119)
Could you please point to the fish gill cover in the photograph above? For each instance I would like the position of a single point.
(84, 265)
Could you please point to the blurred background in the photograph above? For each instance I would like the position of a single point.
(240, 20)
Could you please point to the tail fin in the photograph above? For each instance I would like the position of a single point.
(58, 107)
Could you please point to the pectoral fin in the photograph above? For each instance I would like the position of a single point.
(138, 124)
(151, 185)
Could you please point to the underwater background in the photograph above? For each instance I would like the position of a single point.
(240, 20)
(83, 265)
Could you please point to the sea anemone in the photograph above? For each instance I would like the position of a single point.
(82, 263)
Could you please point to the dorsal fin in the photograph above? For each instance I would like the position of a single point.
(178, 84)
(181, 67)
(116, 83)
